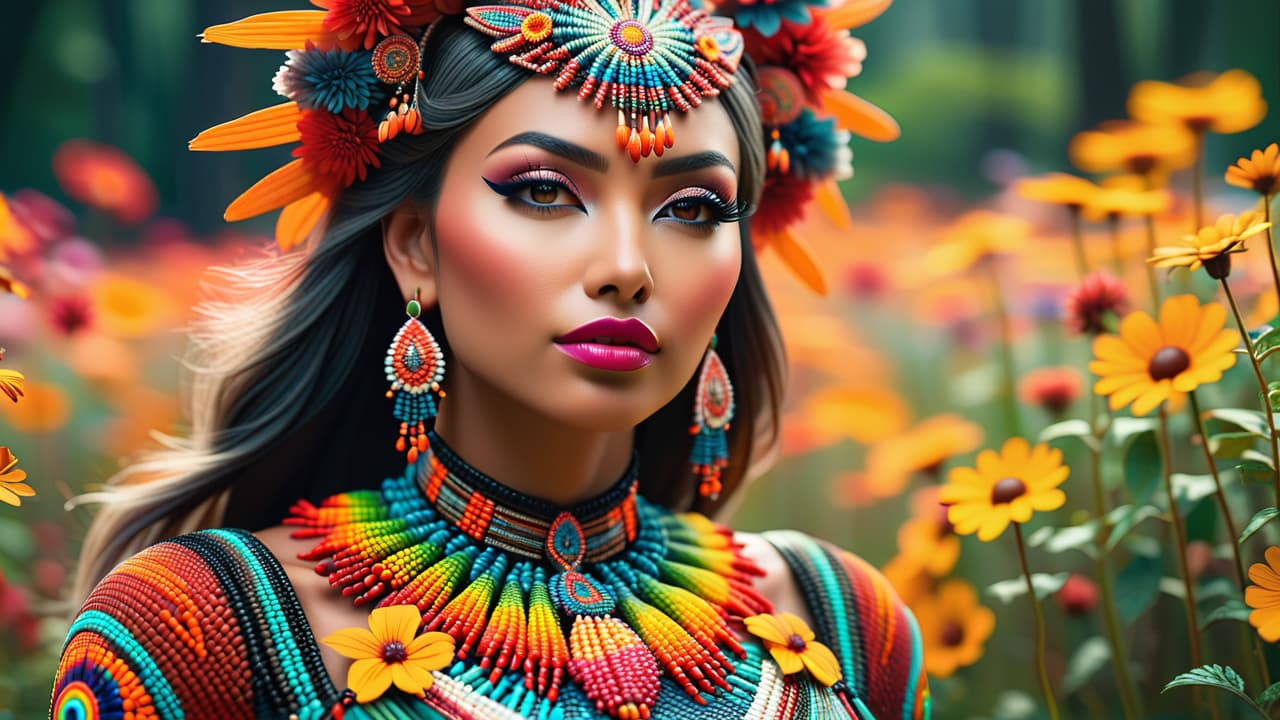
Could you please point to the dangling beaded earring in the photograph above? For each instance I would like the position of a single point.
(712, 411)
(415, 367)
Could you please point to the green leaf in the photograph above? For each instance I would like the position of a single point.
(1230, 609)
(1092, 655)
(1137, 587)
(1045, 584)
(1255, 456)
(1078, 429)
(1142, 467)
(16, 540)
(1123, 429)
(1262, 517)
(1250, 420)
(1269, 696)
(1231, 445)
(1191, 489)
(1217, 676)
(1076, 537)
(1252, 471)
(1125, 518)
(1268, 340)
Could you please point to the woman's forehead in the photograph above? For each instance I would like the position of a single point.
(536, 109)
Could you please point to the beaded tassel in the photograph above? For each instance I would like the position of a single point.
(613, 666)
(712, 411)
(415, 368)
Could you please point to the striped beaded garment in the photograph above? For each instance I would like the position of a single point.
(207, 625)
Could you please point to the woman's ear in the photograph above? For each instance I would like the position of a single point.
(407, 242)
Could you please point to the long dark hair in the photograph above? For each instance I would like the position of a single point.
(286, 395)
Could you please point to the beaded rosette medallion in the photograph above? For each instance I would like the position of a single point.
(353, 71)
(612, 595)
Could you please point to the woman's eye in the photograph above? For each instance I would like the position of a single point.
(544, 193)
(690, 211)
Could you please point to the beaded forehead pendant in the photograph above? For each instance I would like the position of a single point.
(642, 57)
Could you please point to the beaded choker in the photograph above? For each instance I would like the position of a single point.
(614, 593)
(498, 516)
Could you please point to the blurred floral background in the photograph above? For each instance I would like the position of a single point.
(973, 305)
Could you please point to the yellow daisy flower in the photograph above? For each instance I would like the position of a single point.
(1260, 172)
(1138, 148)
(975, 237)
(11, 485)
(1058, 189)
(1228, 103)
(1125, 195)
(1264, 595)
(11, 381)
(1004, 487)
(953, 627)
(1212, 243)
(392, 651)
(791, 643)
(1149, 362)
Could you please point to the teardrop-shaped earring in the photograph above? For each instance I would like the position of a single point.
(415, 368)
(712, 411)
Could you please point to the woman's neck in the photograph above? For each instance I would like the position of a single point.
(528, 452)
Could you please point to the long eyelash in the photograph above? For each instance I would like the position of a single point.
(535, 174)
(724, 211)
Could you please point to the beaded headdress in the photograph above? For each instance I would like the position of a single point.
(352, 70)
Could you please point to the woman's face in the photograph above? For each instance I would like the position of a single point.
(543, 225)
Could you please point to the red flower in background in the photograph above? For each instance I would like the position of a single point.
(1097, 297)
(1052, 388)
(45, 217)
(103, 177)
(782, 203)
(341, 147)
(821, 56)
(71, 314)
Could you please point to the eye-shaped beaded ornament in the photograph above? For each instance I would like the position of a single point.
(415, 368)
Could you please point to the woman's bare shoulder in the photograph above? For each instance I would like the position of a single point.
(779, 583)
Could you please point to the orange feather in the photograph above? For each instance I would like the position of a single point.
(832, 203)
(855, 13)
(284, 30)
(285, 185)
(299, 218)
(859, 116)
(268, 127)
(797, 256)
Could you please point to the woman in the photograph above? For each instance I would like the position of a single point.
(586, 283)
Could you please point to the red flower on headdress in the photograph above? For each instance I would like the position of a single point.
(103, 177)
(341, 147)
(782, 203)
(368, 21)
(821, 56)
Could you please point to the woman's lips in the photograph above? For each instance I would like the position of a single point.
(618, 358)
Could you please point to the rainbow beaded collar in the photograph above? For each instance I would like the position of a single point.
(540, 592)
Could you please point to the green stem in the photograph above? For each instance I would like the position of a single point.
(1113, 227)
(1271, 248)
(1151, 271)
(1180, 534)
(1040, 632)
(1197, 182)
(1009, 402)
(1077, 242)
(1262, 385)
(1119, 654)
(1232, 535)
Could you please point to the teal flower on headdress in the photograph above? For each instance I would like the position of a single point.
(811, 141)
(766, 17)
(332, 80)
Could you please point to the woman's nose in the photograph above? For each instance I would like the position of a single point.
(620, 265)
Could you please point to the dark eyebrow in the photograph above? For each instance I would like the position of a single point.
(554, 145)
(688, 163)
